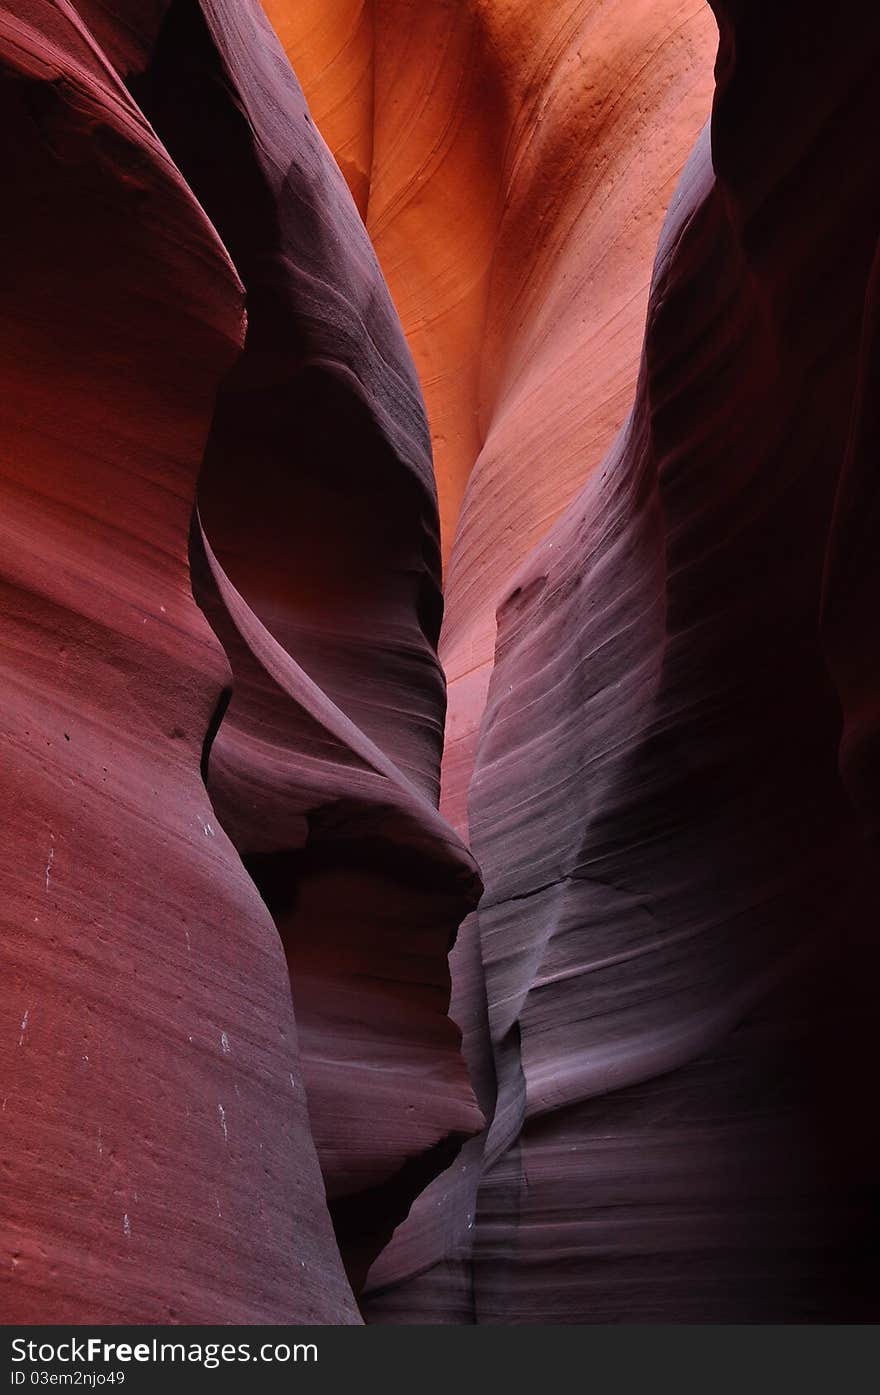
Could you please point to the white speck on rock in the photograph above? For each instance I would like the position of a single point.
(50, 860)
(126, 1226)
(24, 1025)
(292, 1081)
(219, 1212)
(209, 832)
(222, 1112)
(224, 1044)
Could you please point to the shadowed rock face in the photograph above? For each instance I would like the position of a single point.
(155, 1084)
(156, 1154)
(679, 921)
(317, 498)
(513, 163)
(230, 1088)
(665, 984)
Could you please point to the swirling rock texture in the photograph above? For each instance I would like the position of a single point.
(158, 1149)
(318, 500)
(231, 1089)
(679, 924)
(513, 163)
(667, 973)
(157, 1161)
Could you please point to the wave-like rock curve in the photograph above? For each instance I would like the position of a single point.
(155, 1036)
(233, 1070)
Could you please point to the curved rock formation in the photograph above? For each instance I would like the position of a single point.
(664, 753)
(149, 1064)
(513, 162)
(675, 928)
(124, 320)
(318, 501)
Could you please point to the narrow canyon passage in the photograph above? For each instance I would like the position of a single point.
(439, 476)
(654, 799)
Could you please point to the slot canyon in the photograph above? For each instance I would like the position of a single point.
(439, 662)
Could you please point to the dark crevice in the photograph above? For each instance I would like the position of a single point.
(364, 1222)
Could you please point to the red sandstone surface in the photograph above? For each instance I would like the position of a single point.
(286, 370)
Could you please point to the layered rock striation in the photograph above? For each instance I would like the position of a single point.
(677, 930)
(156, 1085)
(234, 1087)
